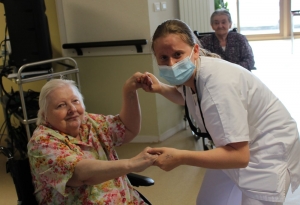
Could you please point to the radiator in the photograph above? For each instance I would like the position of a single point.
(196, 13)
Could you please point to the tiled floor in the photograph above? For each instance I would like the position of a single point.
(276, 67)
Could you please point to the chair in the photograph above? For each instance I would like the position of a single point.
(20, 172)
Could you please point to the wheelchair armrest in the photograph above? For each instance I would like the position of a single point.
(6, 152)
(139, 180)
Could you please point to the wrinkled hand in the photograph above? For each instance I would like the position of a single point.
(153, 84)
(143, 160)
(138, 80)
(168, 158)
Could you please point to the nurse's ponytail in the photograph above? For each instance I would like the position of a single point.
(204, 52)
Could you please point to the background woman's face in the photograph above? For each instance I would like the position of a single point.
(171, 49)
(65, 111)
(221, 24)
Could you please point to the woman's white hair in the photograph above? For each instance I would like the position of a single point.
(47, 89)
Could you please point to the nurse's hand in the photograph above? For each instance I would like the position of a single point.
(139, 80)
(155, 86)
(168, 158)
(142, 161)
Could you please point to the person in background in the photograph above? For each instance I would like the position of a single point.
(71, 152)
(257, 148)
(231, 46)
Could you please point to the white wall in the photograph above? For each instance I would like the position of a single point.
(103, 71)
(96, 21)
(196, 13)
(156, 18)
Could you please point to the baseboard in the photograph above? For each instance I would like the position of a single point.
(172, 131)
(145, 139)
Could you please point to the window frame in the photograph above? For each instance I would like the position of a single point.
(284, 27)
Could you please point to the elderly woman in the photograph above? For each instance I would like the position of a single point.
(231, 46)
(71, 152)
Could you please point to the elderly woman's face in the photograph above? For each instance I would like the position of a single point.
(221, 24)
(65, 111)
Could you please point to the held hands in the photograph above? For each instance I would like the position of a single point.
(168, 158)
(146, 80)
(164, 157)
(150, 83)
(143, 160)
(155, 83)
(138, 80)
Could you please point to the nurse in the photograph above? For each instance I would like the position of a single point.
(257, 151)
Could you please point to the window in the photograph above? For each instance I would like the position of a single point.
(296, 19)
(264, 19)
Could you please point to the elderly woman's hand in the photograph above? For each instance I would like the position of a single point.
(142, 161)
(169, 158)
(155, 84)
(138, 80)
(146, 80)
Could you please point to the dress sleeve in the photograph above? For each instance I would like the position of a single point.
(246, 54)
(52, 161)
(211, 43)
(110, 128)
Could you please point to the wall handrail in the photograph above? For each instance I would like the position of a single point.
(78, 46)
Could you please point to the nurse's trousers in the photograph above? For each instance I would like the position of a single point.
(218, 189)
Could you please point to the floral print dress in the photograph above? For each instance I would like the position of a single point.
(53, 156)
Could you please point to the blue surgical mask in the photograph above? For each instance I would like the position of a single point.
(178, 73)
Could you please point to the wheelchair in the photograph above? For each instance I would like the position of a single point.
(19, 169)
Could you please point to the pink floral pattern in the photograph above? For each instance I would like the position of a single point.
(53, 156)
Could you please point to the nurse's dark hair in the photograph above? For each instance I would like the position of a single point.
(221, 11)
(180, 28)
